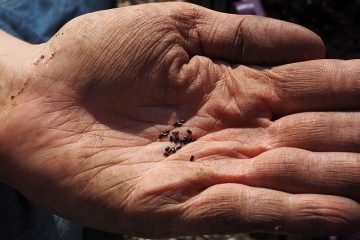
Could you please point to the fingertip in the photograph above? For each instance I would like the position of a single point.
(321, 215)
(310, 44)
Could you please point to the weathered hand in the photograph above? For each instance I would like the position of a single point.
(80, 124)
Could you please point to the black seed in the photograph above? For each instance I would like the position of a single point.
(189, 131)
(173, 150)
(182, 121)
(177, 139)
(178, 124)
(187, 139)
(164, 134)
(166, 154)
(167, 149)
(178, 147)
(172, 139)
(175, 133)
(192, 158)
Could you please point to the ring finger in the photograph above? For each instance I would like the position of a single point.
(321, 132)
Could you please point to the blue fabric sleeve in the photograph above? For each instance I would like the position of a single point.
(35, 21)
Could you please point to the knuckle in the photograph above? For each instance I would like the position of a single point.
(310, 127)
(188, 14)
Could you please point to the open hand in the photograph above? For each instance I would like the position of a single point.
(80, 127)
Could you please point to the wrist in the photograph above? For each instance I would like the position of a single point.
(16, 69)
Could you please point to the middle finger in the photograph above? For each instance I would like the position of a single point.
(319, 85)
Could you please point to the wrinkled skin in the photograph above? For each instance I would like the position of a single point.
(81, 115)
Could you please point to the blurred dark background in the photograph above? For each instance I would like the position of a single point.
(337, 22)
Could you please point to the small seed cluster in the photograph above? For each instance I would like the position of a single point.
(177, 139)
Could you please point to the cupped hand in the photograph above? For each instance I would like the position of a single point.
(81, 124)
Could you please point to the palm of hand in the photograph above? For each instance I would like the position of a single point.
(95, 121)
(101, 132)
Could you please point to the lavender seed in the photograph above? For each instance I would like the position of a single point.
(178, 124)
(167, 149)
(187, 139)
(164, 134)
(189, 131)
(172, 139)
(178, 147)
(192, 158)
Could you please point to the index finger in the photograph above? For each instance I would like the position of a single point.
(320, 85)
(246, 39)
